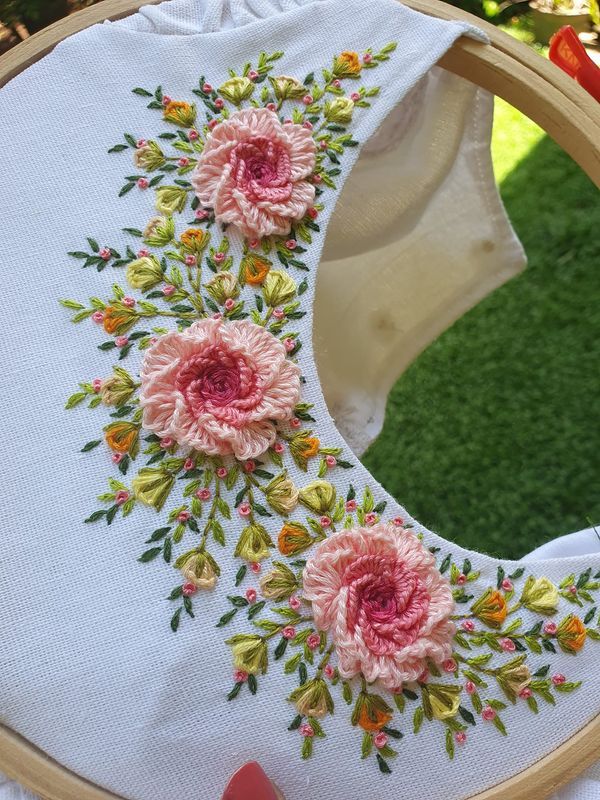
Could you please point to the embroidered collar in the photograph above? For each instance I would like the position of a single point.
(350, 601)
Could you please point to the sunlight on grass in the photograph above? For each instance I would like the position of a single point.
(514, 137)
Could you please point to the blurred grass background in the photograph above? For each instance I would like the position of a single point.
(492, 436)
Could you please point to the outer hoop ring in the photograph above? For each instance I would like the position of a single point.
(571, 117)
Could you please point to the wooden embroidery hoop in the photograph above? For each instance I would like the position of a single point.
(571, 117)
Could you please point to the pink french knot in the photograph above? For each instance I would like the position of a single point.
(380, 595)
(253, 172)
(219, 387)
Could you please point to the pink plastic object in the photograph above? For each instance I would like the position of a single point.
(250, 783)
(567, 52)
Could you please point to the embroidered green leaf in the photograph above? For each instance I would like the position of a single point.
(241, 574)
(240, 496)
(226, 618)
(383, 765)
(111, 513)
(567, 687)
(261, 510)
(96, 515)
(478, 661)
(295, 723)
(367, 745)
(72, 303)
(500, 576)
(218, 532)
(449, 743)
(514, 625)
(400, 702)
(268, 625)
(235, 691)
(292, 663)
(446, 563)
(461, 640)
(302, 673)
(150, 554)
(252, 684)
(167, 550)
(307, 747)
(533, 645)
(500, 725)
(347, 692)
(418, 718)
(75, 399)
(141, 92)
(256, 609)
(542, 671)
(175, 620)
(533, 704)
(466, 715)
(90, 445)
(475, 678)
(238, 601)
(317, 728)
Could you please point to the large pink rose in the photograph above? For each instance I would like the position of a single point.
(387, 607)
(218, 387)
(253, 172)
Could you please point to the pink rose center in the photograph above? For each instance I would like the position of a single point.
(219, 382)
(387, 603)
(261, 168)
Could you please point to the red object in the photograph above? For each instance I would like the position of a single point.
(250, 783)
(567, 52)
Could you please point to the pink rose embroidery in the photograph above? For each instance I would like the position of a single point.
(253, 172)
(218, 387)
(387, 607)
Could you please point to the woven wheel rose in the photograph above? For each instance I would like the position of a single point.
(219, 387)
(387, 607)
(253, 172)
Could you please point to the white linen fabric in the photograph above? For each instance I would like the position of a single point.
(88, 670)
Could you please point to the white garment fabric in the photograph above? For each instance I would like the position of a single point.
(89, 672)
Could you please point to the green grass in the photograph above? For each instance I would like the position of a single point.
(492, 436)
